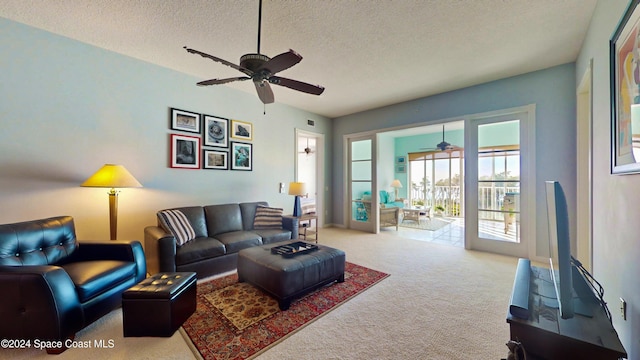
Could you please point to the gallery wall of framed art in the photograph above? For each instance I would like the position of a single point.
(203, 141)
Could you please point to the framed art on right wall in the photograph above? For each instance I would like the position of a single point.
(624, 48)
(241, 156)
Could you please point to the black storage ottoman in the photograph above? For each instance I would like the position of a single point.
(159, 304)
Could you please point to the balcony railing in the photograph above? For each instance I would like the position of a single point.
(450, 198)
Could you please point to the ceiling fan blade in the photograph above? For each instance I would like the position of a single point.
(264, 92)
(297, 85)
(222, 61)
(281, 62)
(222, 81)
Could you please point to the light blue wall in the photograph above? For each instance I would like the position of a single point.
(615, 199)
(553, 92)
(67, 108)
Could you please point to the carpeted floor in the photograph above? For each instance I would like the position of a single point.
(440, 302)
(236, 320)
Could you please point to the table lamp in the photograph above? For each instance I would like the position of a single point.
(396, 184)
(112, 176)
(298, 189)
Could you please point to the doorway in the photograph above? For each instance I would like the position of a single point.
(500, 186)
(584, 208)
(361, 186)
(310, 168)
(507, 190)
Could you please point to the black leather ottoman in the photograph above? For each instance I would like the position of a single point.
(288, 278)
(159, 304)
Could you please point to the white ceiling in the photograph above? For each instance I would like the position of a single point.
(367, 53)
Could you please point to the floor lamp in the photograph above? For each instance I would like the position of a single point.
(112, 176)
(297, 189)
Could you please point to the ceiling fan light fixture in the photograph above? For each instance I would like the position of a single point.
(443, 146)
(262, 69)
(253, 62)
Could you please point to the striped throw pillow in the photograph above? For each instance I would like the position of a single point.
(267, 218)
(175, 222)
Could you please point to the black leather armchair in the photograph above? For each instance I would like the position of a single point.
(54, 285)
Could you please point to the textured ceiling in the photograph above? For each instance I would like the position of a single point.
(366, 53)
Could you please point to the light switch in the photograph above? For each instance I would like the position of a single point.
(281, 188)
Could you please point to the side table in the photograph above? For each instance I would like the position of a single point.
(306, 228)
(416, 214)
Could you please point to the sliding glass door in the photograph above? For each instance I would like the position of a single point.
(364, 199)
(500, 183)
(436, 180)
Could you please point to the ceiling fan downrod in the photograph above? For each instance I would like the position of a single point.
(259, 24)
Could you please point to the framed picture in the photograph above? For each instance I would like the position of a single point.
(401, 168)
(185, 121)
(215, 159)
(625, 93)
(401, 159)
(241, 130)
(241, 156)
(185, 151)
(215, 131)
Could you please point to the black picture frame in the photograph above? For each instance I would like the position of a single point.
(241, 156)
(215, 131)
(183, 120)
(624, 52)
(215, 159)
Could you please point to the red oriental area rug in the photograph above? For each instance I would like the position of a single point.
(238, 321)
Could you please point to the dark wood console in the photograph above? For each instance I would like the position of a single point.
(545, 335)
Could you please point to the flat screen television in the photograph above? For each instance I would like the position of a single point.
(560, 248)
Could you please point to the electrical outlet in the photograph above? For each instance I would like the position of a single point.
(281, 188)
(623, 309)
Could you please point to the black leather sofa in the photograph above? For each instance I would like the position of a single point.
(220, 232)
(53, 285)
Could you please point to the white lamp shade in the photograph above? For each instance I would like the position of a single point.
(396, 183)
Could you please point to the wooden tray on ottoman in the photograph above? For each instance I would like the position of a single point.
(294, 249)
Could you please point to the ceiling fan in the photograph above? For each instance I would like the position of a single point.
(443, 146)
(262, 69)
(306, 150)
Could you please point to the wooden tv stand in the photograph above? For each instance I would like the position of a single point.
(545, 335)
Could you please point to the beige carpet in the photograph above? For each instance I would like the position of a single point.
(440, 302)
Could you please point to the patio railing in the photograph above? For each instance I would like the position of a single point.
(450, 198)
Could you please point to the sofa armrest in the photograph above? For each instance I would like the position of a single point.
(122, 250)
(160, 248)
(291, 223)
(38, 302)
